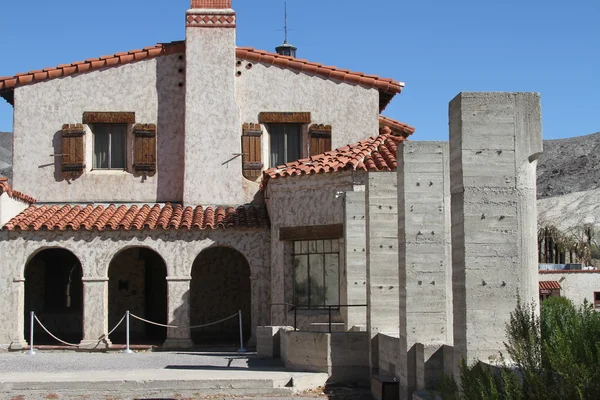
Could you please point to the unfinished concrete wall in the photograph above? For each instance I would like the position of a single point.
(424, 249)
(386, 291)
(495, 140)
(355, 239)
(344, 356)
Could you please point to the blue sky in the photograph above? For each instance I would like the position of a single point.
(437, 47)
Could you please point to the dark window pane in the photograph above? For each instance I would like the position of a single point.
(277, 133)
(117, 146)
(294, 142)
(332, 279)
(301, 280)
(317, 286)
(101, 137)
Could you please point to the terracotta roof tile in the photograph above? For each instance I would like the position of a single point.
(550, 285)
(377, 153)
(13, 194)
(387, 86)
(134, 218)
(397, 127)
(25, 78)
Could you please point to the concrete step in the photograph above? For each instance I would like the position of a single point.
(198, 382)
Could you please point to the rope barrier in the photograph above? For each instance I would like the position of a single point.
(177, 326)
(214, 323)
(113, 329)
(48, 332)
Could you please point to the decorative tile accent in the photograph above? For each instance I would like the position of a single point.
(211, 4)
(205, 20)
(134, 218)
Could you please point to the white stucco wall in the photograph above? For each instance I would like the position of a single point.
(95, 250)
(9, 208)
(575, 286)
(149, 88)
(351, 110)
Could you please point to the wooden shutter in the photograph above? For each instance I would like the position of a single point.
(73, 150)
(252, 151)
(144, 147)
(320, 139)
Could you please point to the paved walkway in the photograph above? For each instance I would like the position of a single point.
(179, 375)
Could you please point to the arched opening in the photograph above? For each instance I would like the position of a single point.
(137, 282)
(54, 291)
(220, 287)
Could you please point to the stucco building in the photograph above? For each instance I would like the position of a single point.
(186, 181)
(151, 172)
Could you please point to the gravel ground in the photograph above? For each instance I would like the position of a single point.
(80, 361)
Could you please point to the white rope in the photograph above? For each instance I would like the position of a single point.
(153, 323)
(113, 329)
(214, 323)
(176, 326)
(48, 332)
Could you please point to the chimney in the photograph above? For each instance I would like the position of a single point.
(213, 173)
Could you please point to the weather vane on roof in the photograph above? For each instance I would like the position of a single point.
(286, 49)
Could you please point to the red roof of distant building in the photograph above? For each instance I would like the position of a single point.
(387, 87)
(549, 285)
(146, 217)
(13, 194)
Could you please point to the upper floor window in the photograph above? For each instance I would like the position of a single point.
(286, 143)
(110, 146)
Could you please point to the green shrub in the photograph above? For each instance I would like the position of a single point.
(554, 356)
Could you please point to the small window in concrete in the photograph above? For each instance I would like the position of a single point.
(109, 146)
(316, 272)
(597, 300)
(286, 143)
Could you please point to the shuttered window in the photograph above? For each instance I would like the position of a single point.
(144, 148)
(73, 150)
(109, 146)
(252, 151)
(286, 143)
(320, 139)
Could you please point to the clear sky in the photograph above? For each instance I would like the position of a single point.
(437, 47)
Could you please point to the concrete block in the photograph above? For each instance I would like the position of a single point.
(268, 341)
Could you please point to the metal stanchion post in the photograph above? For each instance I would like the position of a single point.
(31, 352)
(127, 349)
(241, 349)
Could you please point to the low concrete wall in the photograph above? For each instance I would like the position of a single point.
(344, 356)
(389, 351)
(268, 341)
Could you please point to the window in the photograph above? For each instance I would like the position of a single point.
(316, 272)
(109, 146)
(597, 300)
(286, 143)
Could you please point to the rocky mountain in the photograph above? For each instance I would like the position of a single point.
(6, 154)
(569, 165)
(568, 182)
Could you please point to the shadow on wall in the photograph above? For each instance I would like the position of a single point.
(170, 87)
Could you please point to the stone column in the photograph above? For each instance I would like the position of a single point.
(18, 340)
(386, 290)
(495, 141)
(424, 253)
(95, 313)
(178, 312)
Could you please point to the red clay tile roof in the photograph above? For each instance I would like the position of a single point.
(13, 194)
(157, 217)
(374, 154)
(397, 127)
(387, 87)
(91, 64)
(549, 285)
